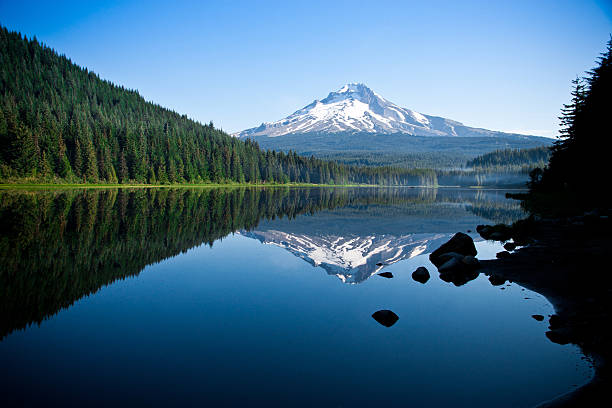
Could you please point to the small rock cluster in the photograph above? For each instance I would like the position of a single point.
(456, 260)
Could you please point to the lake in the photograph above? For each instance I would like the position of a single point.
(263, 297)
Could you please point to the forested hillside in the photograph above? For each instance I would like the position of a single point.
(62, 123)
(512, 158)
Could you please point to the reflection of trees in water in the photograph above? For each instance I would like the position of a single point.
(506, 214)
(495, 207)
(58, 246)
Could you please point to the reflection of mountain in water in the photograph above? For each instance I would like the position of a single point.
(353, 259)
(352, 242)
(58, 246)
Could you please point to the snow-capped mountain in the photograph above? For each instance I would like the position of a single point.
(356, 108)
(353, 258)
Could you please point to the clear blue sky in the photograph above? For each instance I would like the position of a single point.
(498, 66)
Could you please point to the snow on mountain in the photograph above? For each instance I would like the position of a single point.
(353, 258)
(356, 108)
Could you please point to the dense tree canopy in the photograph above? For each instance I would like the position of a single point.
(579, 157)
(512, 158)
(61, 122)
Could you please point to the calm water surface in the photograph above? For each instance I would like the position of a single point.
(252, 297)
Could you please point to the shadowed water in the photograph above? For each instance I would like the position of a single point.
(263, 297)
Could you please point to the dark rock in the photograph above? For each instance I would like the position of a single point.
(499, 232)
(559, 336)
(457, 263)
(469, 230)
(380, 264)
(503, 254)
(451, 265)
(387, 275)
(470, 261)
(385, 317)
(443, 258)
(497, 236)
(481, 228)
(509, 246)
(521, 241)
(460, 243)
(496, 280)
(538, 317)
(459, 278)
(555, 322)
(421, 274)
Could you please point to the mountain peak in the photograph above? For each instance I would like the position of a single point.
(353, 87)
(352, 108)
(355, 108)
(352, 90)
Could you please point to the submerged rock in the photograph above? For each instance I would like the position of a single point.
(385, 317)
(387, 275)
(421, 274)
(538, 317)
(380, 264)
(460, 243)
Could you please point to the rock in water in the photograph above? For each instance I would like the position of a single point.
(509, 246)
(496, 280)
(499, 232)
(538, 317)
(460, 243)
(452, 265)
(387, 275)
(471, 261)
(503, 254)
(385, 317)
(421, 274)
(459, 278)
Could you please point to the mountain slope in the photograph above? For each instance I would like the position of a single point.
(356, 108)
(60, 122)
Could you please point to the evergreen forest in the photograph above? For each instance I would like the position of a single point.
(61, 123)
(579, 160)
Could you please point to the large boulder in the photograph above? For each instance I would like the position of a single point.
(451, 265)
(460, 243)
